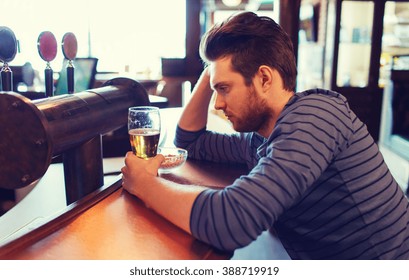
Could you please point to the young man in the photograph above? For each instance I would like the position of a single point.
(316, 176)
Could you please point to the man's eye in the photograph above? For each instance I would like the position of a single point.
(224, 89)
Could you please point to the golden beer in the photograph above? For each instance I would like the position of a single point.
(144, 141)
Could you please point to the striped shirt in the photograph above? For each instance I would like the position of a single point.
(319, 180)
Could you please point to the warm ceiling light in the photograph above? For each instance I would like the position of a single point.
(231, 3)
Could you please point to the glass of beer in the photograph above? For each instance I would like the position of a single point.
(144, 130)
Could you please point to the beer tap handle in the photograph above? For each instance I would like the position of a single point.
(47, 49)
(69, 48)
(8, 50)
(70, 76)
(6, 78)
(49, 81)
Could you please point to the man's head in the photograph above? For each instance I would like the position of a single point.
(251, 41)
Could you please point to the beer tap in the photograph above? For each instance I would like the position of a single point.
(47, 49)
(8, 50)
(69, 48)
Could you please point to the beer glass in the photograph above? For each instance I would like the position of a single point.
(144, 130)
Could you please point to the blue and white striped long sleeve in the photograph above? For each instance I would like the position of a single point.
(319, 180)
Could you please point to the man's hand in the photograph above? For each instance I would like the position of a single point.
(137, 172)
(171, 200)
(194, 116)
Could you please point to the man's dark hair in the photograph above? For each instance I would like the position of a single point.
(251, 41)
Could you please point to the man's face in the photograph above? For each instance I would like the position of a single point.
(243, 105)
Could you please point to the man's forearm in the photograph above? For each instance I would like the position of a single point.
(194, 116)
(173, 201)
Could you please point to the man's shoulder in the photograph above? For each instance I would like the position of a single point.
(319, 93)
(320, 98)
(329, 106)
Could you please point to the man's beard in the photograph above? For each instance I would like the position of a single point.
(255, 114)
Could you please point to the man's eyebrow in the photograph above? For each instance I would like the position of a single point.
(219, 84)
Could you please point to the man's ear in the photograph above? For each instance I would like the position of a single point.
(266, 74)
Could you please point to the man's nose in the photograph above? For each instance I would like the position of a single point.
(219, 103)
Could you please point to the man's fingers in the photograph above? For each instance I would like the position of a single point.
(158, 159)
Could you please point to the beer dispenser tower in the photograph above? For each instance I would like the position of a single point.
(35, 131)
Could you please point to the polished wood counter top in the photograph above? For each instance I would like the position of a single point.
(112, 224)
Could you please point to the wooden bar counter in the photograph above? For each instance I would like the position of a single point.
(112, 224)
